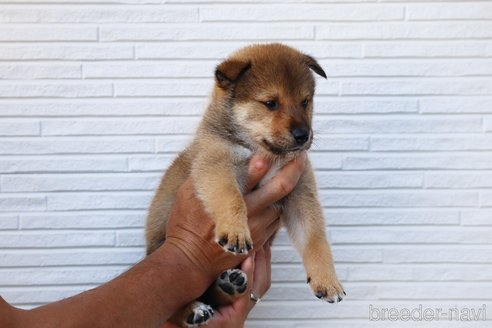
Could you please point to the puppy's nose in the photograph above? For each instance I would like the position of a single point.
(301, 135)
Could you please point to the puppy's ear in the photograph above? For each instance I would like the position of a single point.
(230, 71)
(313, 64)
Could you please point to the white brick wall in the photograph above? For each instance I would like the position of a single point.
(97, 97)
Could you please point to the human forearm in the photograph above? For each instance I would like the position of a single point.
(146, 295)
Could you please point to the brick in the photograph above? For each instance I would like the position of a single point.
(488, 124)
(427, 50)
(155, 69)
(410, 236)
(418, 162)
(69, 257)
(91, 220)
(313, 309)
(430, 143)
(476, 217)
(113, 126)
(64, 164)
(325, 162)
(455, 105)
(97, 14)
(65, 52)
(66, 182)
(150, 164)
(55, 239)
(14, 203)
(399, 199)
(99, 201)
(396, 125)
(172, 144)
(295, 292)
(329, 180)
(401, 31)
(329, 143)
(459, 180)
(130, 239)
(450, 255)
(486, 199)
(38, 71)
(47, 33)
(302, 13)
(285, 255)
(102, 107)
(423, 87)
(296, 273)
(8, 222)
(368, 106)
(19, 128)
(76, 146)
(407, 68)
(473, 272)
(251, 32)
(448, 11)
(369, 217)
(218, 50)
(55, 89)
(163, 89)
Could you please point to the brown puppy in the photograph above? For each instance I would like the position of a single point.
(262, 102)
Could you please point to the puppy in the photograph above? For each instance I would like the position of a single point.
(262, 102)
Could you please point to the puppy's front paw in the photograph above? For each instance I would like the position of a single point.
(327, 288)
(233, 282)
(201, 314)
(234, 239)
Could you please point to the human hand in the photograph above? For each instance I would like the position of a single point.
(258, 268)
(192, 231)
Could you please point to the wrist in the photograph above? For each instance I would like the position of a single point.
(186, 273)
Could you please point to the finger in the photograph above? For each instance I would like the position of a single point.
(268, 259)
(257, 168)
(278, 187)
(257, 223)
(269, 232)
(248, 266)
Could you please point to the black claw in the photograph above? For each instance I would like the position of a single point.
(249, 246)
(320, 294)
(344, 293)
(223, 275)
(330, 301)
(308, 280)
(339, 298)
(232, 249)
(223, 241)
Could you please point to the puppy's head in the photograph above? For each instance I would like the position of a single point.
(269, 91)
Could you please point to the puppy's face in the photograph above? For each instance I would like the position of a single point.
(271, 89)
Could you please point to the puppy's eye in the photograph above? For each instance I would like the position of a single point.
(305, 103)
(271, 104)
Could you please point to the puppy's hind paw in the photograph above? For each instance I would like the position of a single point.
(232, 282)
(331, 292)
(201, 314)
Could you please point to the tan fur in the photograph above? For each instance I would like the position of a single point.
(237, 124)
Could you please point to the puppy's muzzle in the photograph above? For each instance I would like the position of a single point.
(301, 135)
